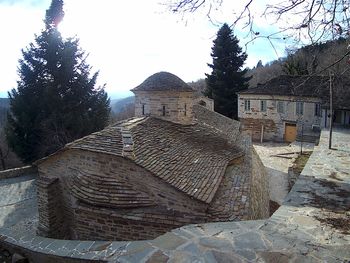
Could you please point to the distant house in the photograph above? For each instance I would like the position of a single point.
(285, 106)
(175, 163)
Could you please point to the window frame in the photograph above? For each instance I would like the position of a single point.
(281, 105)
(299, 108)
(247, 105)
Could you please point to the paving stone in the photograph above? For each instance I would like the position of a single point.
(274, 257)
(137, 255)
(183, 257)
(246, 254)
(192, 248)
(158, 257)
(251, 240)
(168, 241)
(215, 242)
(224, 257)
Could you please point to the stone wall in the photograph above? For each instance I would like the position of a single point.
(51, 216)
(205, 102)
(16, 172)
(178, 105)
(259, 189)
(253, 127)
(273, 121)
(171, 208)
(226, 125)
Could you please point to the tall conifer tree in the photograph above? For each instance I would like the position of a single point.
(56, 100)
(227, 77)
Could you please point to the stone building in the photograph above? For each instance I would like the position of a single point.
(175, 163)
(285, 106)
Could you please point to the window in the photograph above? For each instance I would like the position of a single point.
(247, 105)
(143, 109)
(318, 109)
(185, 109)
(280, 106)
(163, 110)
(299, 110)
(263, 105)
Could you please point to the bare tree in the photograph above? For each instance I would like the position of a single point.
(300, 20)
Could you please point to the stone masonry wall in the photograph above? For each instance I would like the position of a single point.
(253, 128)
(259, 192)
(178, 105)
(15, 172)
(205, 102)
(172, 209)
(271, 119)
(51, 216)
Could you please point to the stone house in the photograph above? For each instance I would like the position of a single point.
(174, 163)
(285, 106)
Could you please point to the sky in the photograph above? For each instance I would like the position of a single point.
(127, 41)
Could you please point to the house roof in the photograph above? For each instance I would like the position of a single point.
(191, 158)
(163, 81)
(308, 86)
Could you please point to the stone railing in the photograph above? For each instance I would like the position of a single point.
(305, 228)
(16, 172)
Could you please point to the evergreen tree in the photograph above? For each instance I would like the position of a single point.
(226, 78)
(56, 100)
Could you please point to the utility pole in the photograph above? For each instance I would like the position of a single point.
(330, 110)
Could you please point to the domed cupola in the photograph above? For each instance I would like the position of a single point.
(166, 96)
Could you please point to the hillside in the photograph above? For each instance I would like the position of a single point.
(4, 102)
(120, 105)
(312, 59)
(4, 105)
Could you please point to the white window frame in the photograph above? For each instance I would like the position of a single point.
(246, 105)
(281, 107)
(299, 108)
(263, 105)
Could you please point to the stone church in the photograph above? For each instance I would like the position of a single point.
(175, 163)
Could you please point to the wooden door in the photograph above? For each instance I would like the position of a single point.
(290, 132)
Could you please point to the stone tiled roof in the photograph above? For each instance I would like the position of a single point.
(105, 191)
(192, 158)
(163, 81)
(310, 86)
(109, 140)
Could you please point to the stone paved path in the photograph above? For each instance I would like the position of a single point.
(18, 206)
(277, 167)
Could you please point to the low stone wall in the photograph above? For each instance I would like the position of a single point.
(16, 172)
(259, 194)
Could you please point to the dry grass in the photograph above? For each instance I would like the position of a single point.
(301, 161)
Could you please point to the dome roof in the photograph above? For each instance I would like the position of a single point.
(163, 81)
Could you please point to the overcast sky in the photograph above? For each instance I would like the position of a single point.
(127, 41)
